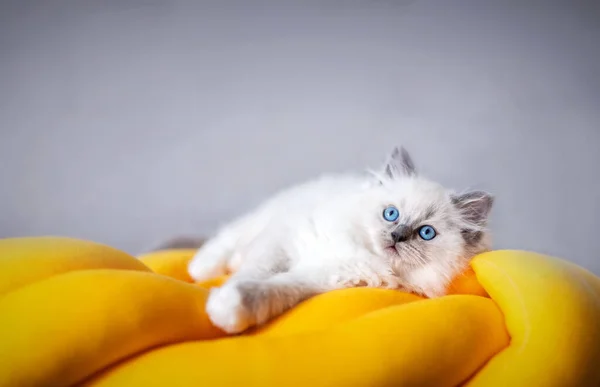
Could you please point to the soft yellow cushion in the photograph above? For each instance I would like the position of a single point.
(76, 312)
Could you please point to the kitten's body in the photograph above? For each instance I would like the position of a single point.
(329, 234)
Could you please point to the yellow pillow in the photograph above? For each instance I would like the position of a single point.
(76, 312)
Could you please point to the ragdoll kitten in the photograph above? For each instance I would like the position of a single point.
(390, 229)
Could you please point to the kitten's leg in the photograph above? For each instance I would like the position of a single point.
(222, 253)
(254, 299)
(211, 259)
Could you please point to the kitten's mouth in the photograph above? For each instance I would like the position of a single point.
(391, 250)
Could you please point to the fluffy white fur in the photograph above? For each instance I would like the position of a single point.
(330, 233)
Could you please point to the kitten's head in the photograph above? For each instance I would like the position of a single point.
(417, 223)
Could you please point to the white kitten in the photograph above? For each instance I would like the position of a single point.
(392, 229)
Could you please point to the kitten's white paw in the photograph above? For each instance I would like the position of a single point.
(235, 262)
(206, 266)
(226, 310)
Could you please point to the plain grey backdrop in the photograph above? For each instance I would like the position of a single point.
(129, 121)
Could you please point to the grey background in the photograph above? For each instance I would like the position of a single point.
(130, 121)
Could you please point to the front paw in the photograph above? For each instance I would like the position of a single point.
(226, 310)
(206, 265)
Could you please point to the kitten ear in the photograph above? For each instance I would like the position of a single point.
(475, 206)
(399, 164)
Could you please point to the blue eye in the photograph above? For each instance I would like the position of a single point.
(391, 214)
(427, 233)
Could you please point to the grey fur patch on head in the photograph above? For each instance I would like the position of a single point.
(428, 214)
(474, 206)
(472, 238)
(399, 164)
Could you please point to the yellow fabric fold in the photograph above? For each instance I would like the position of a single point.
(75, 312)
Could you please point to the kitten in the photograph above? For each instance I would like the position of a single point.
(390, 229)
